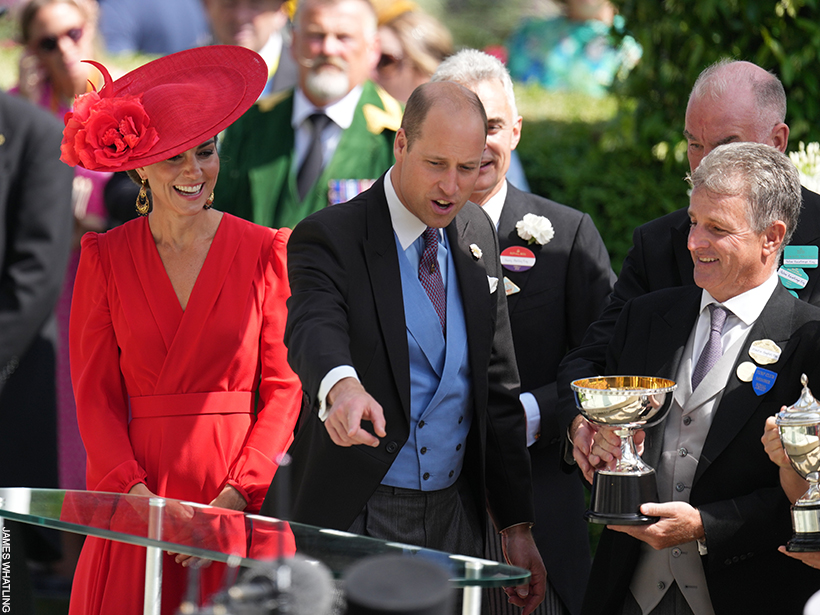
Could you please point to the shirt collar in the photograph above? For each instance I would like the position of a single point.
(746, 306)
(341, 111)
(407, 227)
(495, 204)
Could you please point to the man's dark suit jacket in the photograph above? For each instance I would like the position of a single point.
(560, 296)
(660, 259)
(346, 308)
(736, 487)
(36, 223)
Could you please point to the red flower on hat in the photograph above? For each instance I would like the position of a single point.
(103, 133)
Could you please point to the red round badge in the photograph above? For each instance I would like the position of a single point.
(517, 258)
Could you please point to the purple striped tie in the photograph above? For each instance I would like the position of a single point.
(430, 275)
(713, 349)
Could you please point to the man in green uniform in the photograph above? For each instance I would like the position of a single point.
(322, 143)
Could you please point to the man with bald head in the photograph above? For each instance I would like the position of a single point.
(398, 329)
(322, 142)
(730, 102)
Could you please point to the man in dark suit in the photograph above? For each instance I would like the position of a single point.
(556, 285)
(261, 26)
(401, 338)
(730, 102)
(36, 221)
(736, 344)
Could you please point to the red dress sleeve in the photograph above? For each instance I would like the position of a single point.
(102, 402)
(280, 391)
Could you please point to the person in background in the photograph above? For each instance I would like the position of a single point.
(35, 234)
(322, 143)
(156, 27)
(261, 26)
(551, 301)
(58, 35)
(413, 44)
(177, 360)
(575, 51)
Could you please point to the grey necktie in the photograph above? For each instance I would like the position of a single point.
(713, 349)
(313, 164)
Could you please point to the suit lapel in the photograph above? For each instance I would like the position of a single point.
(381, 257)
(475, 292)
(739, 400)
(668, 333)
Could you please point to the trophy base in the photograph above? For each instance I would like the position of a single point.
(617, 497)
(804, 543)
(806, 523)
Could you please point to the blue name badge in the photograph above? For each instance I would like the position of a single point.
(763, 381)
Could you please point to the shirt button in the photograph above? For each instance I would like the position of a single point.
(421, 424)
(682, 452)
(426, 475)
(451, 473)
(423, 450)
(661, 585)
(676, 552)
(461, 418)
(458, 447)
(687, 420)
(680, 487)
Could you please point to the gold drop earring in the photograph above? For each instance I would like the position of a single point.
(142, 200)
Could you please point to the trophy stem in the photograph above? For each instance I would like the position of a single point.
(630, 461)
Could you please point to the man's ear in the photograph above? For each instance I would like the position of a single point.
(773, 237)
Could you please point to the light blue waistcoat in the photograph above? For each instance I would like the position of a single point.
(441, 408)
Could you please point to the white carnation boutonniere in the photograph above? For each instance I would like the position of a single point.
(535, 229)
(476, 251)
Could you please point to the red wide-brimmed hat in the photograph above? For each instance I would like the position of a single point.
(162, 108)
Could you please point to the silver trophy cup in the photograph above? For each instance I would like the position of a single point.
(799, 427)
(626, 403)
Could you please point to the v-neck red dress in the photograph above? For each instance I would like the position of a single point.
(168, 397)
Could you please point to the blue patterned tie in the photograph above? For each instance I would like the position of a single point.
(313, 164)
(713, 349)
(430, 275)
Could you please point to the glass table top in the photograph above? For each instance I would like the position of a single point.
(225, 535)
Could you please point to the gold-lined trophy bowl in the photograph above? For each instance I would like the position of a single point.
(626, 403)
(799, 427)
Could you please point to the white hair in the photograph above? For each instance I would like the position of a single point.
(470, 67)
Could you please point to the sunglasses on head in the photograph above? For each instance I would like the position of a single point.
(49, 43)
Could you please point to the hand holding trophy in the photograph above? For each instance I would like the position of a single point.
(799, 427)
(626, 403)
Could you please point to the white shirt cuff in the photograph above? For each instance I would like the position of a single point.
(530, 405)
(330, 379)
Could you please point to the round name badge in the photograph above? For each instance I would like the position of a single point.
(517, 258)
(746, 371)
(765, 352)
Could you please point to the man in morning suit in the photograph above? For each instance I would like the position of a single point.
(322, 143)
(401, 338)
(736, 343)
(552, 299)
(36, 221)
(730, 101)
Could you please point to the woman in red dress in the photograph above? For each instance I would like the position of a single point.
(179, 369)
